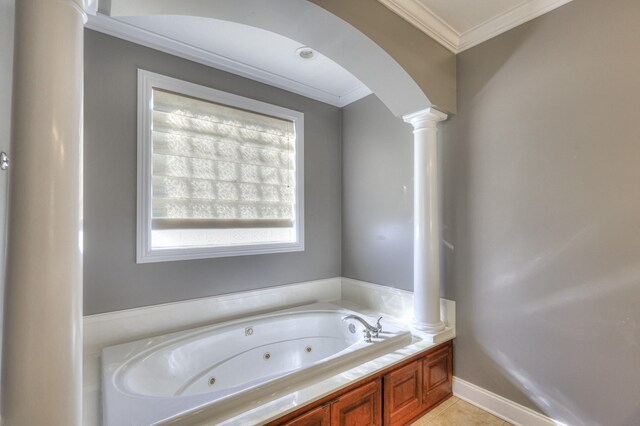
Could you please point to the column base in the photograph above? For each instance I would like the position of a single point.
(434, 334)
(428, 328)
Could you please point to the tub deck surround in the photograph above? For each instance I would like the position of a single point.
(233, 366)
(396, 305)
(322, 388)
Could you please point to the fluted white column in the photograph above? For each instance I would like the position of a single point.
(42, 350)
(426, 243)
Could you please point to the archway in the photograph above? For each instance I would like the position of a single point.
(310, 25)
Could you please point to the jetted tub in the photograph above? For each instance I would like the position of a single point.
(234, 364)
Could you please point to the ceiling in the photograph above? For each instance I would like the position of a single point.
(241, 49)
(461, 24)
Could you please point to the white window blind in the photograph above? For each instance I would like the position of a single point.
(218, 174)
(216, 166)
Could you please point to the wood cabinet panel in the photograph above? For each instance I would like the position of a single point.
(437, 373)
(360, 407)
(410, 390)
(320, 416)
(402, 394)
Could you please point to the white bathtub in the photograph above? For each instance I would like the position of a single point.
(233, 364)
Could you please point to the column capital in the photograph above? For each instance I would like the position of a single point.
(85, 7)
(424, 119)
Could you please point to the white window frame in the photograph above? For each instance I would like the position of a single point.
(147, 81)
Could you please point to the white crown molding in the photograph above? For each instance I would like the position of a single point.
(435, 27)
(107, 25)
(499, 406)
(426, 21)
(505, 21)
(354, 95)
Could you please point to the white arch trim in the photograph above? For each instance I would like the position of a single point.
(309, 24)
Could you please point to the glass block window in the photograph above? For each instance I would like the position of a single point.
(219, 174)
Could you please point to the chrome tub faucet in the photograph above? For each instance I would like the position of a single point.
(369, 330)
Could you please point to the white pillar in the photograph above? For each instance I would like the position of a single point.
(426, 243)
(42, 350)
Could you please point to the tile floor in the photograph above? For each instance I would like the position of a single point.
(456, 412)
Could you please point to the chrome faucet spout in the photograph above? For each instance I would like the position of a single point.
(369, 329)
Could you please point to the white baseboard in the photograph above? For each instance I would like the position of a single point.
(510, 411)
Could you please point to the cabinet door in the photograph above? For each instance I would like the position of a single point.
(318, 417)
(437, 372)
(403, 394)
(360, 407)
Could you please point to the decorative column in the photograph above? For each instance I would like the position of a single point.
(426, 243)
(42, 349)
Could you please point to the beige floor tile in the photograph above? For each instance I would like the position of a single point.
(445, 404)
(424, 420)
(464, 414)
(506, 424)
(450, 401)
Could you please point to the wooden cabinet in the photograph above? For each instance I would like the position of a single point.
(360, 407)
(393, 397)
(403, 394)
(437, 374)
(414, 389)
(320, 416)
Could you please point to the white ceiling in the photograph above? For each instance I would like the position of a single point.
(461, 24)
(248, 51)
(463, 15)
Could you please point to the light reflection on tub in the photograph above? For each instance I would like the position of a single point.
(151, 380)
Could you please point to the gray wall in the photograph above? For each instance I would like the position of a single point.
(112, 279)
(542, 184)
(377, 200)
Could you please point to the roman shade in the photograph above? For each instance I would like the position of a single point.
(216, 166)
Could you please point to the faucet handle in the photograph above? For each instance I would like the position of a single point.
(366, 335)
(378, 328)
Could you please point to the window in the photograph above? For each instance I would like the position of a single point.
(218, 174)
